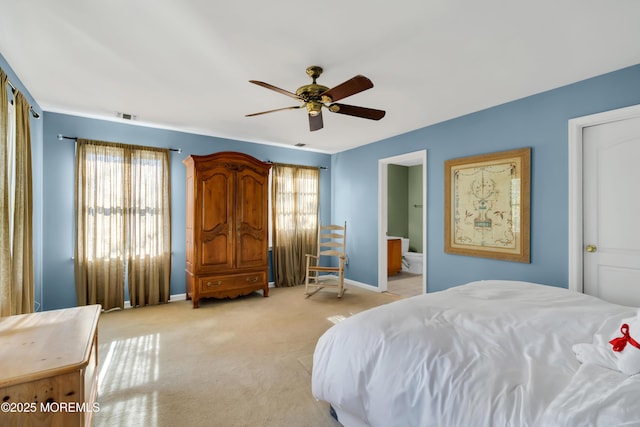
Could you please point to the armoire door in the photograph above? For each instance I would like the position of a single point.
(251, 219)
(215, 214)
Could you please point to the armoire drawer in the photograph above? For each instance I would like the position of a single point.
(210, 284)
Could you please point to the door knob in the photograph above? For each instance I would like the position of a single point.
(591, 248)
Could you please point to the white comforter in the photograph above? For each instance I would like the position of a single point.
(489, 353)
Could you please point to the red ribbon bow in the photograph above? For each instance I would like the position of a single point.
(620, 342)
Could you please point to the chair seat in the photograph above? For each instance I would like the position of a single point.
(315, 268)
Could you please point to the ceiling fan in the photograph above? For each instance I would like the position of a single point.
(315, 96)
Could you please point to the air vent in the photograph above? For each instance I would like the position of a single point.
(126, 116)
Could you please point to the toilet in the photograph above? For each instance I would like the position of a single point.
(412, 261)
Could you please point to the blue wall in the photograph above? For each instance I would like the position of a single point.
(58, 172)
(539, 122)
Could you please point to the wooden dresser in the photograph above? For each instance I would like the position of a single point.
(394, 256)
(49, 368)
(227, 226)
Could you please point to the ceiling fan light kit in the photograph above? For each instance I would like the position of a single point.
(315, 96)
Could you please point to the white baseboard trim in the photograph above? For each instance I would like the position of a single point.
(172, 298)
(363, 285)
(351, 282)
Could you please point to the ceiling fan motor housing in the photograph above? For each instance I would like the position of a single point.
(311, 92)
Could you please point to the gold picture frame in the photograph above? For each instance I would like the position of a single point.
(487, 205)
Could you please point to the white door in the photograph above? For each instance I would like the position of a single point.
(611, 211)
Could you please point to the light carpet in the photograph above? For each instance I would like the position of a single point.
(242, 362)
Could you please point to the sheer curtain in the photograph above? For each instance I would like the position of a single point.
(5, 240)
(100, 233)
(16, 229)
(295, 195)
(22, 252)
(149, 227)
(123, 219)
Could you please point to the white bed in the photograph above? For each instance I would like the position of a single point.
(488, 353)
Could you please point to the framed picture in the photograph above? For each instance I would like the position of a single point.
(486, 208)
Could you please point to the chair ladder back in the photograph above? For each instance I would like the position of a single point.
(331, 243)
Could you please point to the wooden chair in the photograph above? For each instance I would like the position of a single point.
(332, 243)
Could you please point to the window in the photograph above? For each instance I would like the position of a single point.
(295, 198)
(295, 194)
(122, 224)
(123, 188)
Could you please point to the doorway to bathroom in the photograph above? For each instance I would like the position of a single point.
(402, 214)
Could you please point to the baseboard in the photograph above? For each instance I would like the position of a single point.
(172, 298)
(351, 282)
(363, 285)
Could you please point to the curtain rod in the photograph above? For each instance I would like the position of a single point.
(33, 112)
(61, 137)
(286, 164)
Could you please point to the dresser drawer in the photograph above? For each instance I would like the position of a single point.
(214, 284)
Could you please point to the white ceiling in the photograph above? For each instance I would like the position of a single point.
(185, 64)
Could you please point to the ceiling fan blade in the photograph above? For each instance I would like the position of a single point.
(272, 111)
(277, 89)
(352, 110)
(350, 87)
(315, 122)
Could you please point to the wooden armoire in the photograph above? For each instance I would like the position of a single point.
(227, 226)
